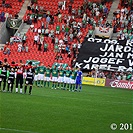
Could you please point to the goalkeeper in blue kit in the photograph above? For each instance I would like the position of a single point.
(79, 80)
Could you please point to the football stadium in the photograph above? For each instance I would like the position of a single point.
(66, 66)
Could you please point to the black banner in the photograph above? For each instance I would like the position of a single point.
(13, 23)
(106, 54)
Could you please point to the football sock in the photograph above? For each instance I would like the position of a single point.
(4, 85)
(8, 87)
(73, 87)
(11, 87)
(20, 90)
(55, 85)
(48, 83)
(64, 85)
(44, 83)
(80, 87)
(25, 89)
(30, 89)
(39, 83)
(0, 85)
(76, 87)
(67, 86)
(52, 85)
(58, 85)
(16, 89)
(36, 83)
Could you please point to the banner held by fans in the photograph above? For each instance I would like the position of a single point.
(109, 55)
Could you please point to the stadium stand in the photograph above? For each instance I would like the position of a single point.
(79, 18)
(9, 8)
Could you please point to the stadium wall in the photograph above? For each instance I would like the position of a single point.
(5, 33)
(125, 84)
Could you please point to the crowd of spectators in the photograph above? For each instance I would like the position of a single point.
(9, 8)
(123, 20)
(111, 75)
(69, 28)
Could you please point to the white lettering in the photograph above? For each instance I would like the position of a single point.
(119, 61)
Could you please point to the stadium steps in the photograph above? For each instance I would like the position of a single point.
(25, 29)
(23, 9)
(110, 15)
(112, 9)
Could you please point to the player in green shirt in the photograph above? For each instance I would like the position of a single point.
(47, 75)
(73, 79)
(54, 77)
(67, 78)
(61, 77)
(41, 70)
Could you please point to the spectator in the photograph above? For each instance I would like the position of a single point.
(11, 40)
(48, 19)
(36, 38)
(71, 37)
(7, 51)
(79, 46)
(56, 48)
(46, 32)
(45, 47)
(63, 28)
(69, 54)
(67, 49)
(24, 38)
(20, 47)
(60, 17)
(26, 49)
(66, 30)
(64, 5)
(35, 18)
(57, 29)
(70, 8)
(66, 39)
(56, 41)
(79, 12)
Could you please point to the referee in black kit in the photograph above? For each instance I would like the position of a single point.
(29, 78)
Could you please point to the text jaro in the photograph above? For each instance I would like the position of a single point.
(106, 54)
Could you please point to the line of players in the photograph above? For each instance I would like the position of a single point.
(67, 79)
(61, 78)
(14, 72)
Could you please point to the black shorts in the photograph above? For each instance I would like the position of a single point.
(3, 78)
(10, 80)
(29, 81)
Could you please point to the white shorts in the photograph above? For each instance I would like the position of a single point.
(61, 79)
(35, 77)
(40, 76)
(67, 80)
(54, 79)
(47, 79)
(72, 81)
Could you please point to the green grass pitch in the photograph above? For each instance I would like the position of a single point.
(60, 111)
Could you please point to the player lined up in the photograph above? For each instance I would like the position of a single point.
(61, 78)
(67, 79)
(14, 72)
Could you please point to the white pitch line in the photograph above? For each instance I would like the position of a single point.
(16, 130)
(127, 103)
